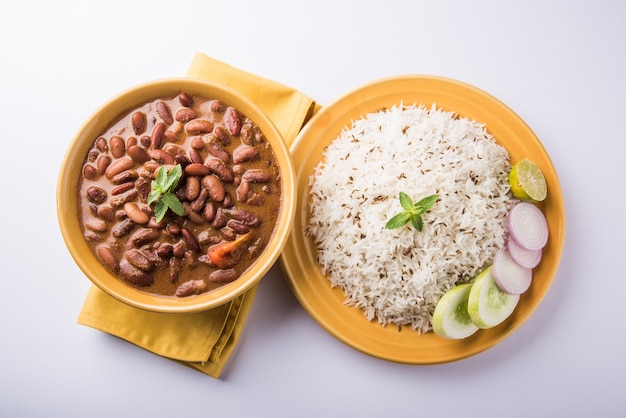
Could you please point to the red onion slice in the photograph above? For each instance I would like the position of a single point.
(510, 277)
(528, 226)
(525, 258)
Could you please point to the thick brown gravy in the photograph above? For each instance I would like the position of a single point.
(230, 190)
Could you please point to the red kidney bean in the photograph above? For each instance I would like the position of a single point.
(185, 100)
(171, 136)
(247, 136)
(228, 201)
(137, 215)
(156, 139)
(152, 223)
(164, 112)
(90, 172)
(138, 121)
(197, 143)
(134, 275)
(195, 169)
(182, 160)
(191, 287)
(118, 146)
(238, 226)
(256, 175)
(195, 217)
(102, 164)
(219, 152)
(223, 276)
(119, 200)
(215, 187)
(132, 140)
(228, 234)
(173, 150)
(190, 240)
(209, 211)
(184, 115)
(138, 154)
(239, 169)
(123, 228)
(117, 166)
(192, 188)
(220, 219)
(204, 259)
(198, 127)
(179, 249)
(151, 255)
(101, 144)
(206, 237)
(217, 106)
(143, 188)
(161, 156)
(96, 225)
(106, 212)
(96, 195)
(233, 121)
(165, 250)
(125, 177)
(195, 156)
(173, 228)
(244, 216)
(151, 166)
(243, 191)
(222, 135)
(176, 266)
(142, 237)
(244, 153)
(108, 259)
(198, 204)
(139, 260)
(145, 141)
(91, 236)
(122, 188)
(220, 169)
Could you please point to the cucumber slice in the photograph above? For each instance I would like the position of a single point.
(487, 305)
(450, 319)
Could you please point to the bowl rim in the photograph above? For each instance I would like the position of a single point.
(67, 202)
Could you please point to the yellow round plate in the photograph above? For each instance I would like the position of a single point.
(326, 304)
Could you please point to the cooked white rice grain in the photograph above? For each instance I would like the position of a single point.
(397, 276)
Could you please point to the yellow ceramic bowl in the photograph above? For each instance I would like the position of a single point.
(67, 203)
(326, 304)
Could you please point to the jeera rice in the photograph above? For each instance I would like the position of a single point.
(397, 276)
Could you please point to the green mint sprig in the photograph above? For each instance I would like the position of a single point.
(412, 211)
(162, 192)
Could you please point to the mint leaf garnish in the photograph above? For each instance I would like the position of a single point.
(412, 211)
(162, 193)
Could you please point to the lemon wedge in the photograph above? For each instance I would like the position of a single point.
(528, 182)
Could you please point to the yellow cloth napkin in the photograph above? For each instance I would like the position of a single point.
(202, 340)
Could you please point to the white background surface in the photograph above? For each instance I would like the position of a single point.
(558, 64)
